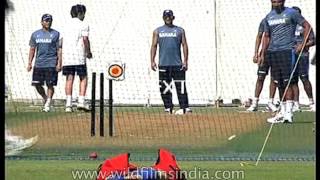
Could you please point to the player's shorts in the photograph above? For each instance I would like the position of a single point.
(81, 70)
(171, 72)
(282, 64)
(263, 69)
(48, 75)
(303, 65)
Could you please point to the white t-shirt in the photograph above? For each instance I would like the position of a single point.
(73, 51)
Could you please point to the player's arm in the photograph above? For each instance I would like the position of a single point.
(153, 50)
(306, 26)
(59, 61)
(87, 48)
(185, 51)
(86, 41)
(32, 51)
(311, 39)
(256, 47)
(265, 45)
(306, 35)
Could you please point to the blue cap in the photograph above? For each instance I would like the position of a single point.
(46, 17)
(168, 12)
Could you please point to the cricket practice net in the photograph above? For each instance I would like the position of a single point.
(220, 35)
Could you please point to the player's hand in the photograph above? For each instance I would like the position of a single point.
(255, 58)
(260, 60)
(184, 66)
(89, 55)
(153, 66)
(29, 67)
(58, 67)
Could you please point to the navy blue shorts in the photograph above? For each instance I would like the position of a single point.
(171, 72)
(263, 69)
(81, 70)
(282, 63)
(303, 66)
(48, 75)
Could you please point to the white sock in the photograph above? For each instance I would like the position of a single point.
(311, 101)
(255, 101)
(296, 103)
(47, 104)
(282, 107)
(271, 100)
(289, 105)
(81, 100)
(68, 101)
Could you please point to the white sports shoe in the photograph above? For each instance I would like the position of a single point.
(68, 109)
(46, 109)
(188, 110)
(296, 108)
(252, 108)
(278, 118)
(313, 107)
(83, 106)
(272, 107)
(183, 111)
(287, 118)
(169, 111)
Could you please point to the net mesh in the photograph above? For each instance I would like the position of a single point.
(220, 36)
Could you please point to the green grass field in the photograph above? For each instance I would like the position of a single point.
(199, 140)
(65, 170)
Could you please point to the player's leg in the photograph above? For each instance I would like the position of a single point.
(308, 88)
(296, 104)
(51, 78)
(258, 89)
(165, 84)
(275, 64)
(272, 91)
(38, 82)
(69, 72)
(179, 77)
(295, 87)
(83, 76)
(262, 73)
(304, 76)
(287, 68)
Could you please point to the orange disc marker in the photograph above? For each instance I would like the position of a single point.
(115, 71)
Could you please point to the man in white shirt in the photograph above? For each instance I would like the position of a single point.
(77, 49)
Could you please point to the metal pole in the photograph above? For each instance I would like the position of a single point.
(93, 104)
(110, 109)
(101, 104)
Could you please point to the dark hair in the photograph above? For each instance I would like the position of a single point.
(76, 9)
(296, 8)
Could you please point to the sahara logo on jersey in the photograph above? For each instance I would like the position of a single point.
(165, 34)
(277, 21)
(43, 40)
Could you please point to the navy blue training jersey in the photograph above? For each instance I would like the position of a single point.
(281, 28)
(170, 39)
(262, 25)
(46, 44)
